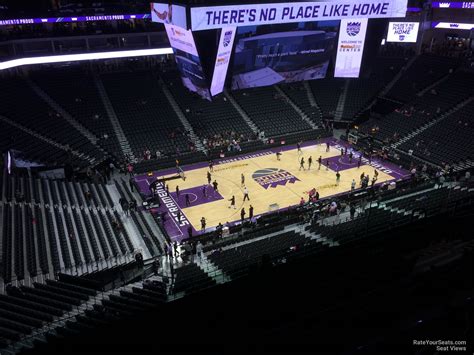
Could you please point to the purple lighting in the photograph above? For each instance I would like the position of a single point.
(29, 21)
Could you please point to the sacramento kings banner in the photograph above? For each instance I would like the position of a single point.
(224, 53)
(350, 48)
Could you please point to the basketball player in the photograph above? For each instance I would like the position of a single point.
(350, 157)
(342, 152)
(320, 160)
(353, 185)
(178, 216)
(278, 155)
(242, 180)
(242, 215)
(215, 184)
(302, 164)
(211, 165)
(338, 178)
(250, 212)
(327, 164)
(167, 190)
(232, 202)
(209, 177)
(310, 161)
(204, 188)
(246, 193)
(327, 146)
(203, 224)
(186, 197)
(177, 191)
(376, 173)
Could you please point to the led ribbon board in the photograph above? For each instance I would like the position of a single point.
(213, 17)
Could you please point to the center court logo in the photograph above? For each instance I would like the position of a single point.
(353, 28)
(272, 177)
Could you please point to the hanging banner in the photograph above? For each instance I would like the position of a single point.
(212, 17)
(224, 52)
(350, 48)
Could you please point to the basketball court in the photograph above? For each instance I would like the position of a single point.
(272, 184)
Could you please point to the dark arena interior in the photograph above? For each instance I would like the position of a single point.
(236, 176)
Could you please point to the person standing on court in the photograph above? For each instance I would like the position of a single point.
(353, 185)
(209, 178)
(338, 178)
(232, 202)
(186, 197)
(246, 193)
(250, 212)
(320, 160)
(302, 164)
(242, 214)
(350, 157)
(177, 191)
(278, 155)
(310, 161)
(327, 164)
(242, 180)
(167, 188)
(178, 216)
(203, 224)
(327, 146)
(211, 165)
(204, 187)
(215, 185)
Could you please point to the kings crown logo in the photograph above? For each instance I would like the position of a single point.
(444, 5)
(272, 177)
(353, 28)
(227, 38)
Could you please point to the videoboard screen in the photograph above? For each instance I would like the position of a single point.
(402, 32)
(187, 60)
(267, 55)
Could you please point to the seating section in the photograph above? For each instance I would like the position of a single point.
(448, 141)
(30, 148)
(363, 90)
(236, 260)
(190, 278)
(39, 117)
(145, 114)
(270, 112)
(457, 88)
(74, 89)
(51, 226)
(208, 119)
(326, 93)
(25, 309)
(425, 71)
(299, 95)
